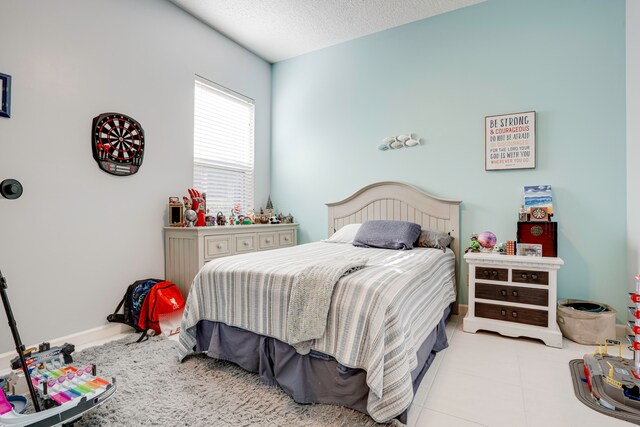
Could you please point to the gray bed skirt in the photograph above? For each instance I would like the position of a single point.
(312, 378)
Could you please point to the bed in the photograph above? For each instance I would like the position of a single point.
(385, 322)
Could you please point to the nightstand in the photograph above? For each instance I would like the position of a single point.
(513, 295)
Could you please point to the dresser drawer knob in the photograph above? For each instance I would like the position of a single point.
(486, 273)
(286, 238)
(534, 276)
(523, 275)
(503, 312)
(514, 293)
(504, 293)
(514, 314)
(245, 243)
(267, 240)
(219, 246)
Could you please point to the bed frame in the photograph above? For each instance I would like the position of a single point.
(402, 202)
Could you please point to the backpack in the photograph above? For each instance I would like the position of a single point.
(163, 300)
(132, 302)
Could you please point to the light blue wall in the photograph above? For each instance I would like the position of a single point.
(438, 78)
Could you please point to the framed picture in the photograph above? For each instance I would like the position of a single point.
(510, 141)
(5, 99)
(174, 200)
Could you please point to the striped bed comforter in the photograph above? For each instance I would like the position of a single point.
(378, 318)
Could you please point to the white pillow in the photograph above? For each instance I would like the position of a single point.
(345, 235)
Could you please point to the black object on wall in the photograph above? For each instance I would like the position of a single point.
(10, 189)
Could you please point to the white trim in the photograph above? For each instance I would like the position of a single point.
(633, 138)
(77, 339)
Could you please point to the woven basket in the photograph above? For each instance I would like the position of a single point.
(585, 327)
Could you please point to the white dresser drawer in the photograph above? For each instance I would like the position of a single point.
(286, 238)
(245, 243)
(216, 246)
(267, 240)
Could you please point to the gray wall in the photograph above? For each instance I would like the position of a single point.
(78, 236)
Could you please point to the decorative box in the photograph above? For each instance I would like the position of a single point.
(544, 233)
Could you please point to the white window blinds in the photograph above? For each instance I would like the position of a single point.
(223, 140)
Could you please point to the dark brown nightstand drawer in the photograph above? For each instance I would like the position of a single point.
(491, 273)
(512, 294)
(528, 276)
(528, 316)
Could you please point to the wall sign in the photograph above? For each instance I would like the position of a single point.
(510, 141)
(5, 95)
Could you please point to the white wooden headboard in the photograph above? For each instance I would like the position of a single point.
(403, 202)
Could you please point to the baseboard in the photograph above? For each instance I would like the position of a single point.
(77, 339)
(462, 310)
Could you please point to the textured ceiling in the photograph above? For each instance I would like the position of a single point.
(281, 29)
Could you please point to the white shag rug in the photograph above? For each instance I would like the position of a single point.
(155, 389)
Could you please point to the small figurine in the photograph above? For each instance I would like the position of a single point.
(280, 217)
(261, 211)
(274, 220)
(190, 217)
(474, 246)
(220, 218)
(251, 216)
(288, 219)
(500, 248)
(240, 220)
(197, 203)
(269, 209)
(232, 219)
(522, 214)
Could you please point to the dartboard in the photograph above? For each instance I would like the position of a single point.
(118, 143)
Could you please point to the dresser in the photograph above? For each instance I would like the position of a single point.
(514, 296)
(188, 249)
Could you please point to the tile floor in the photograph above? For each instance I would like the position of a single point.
(489, 380)
(485, 379)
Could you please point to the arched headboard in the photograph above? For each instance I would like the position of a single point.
(403, 202)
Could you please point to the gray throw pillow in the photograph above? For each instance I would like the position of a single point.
(387, 234)
(434, 239)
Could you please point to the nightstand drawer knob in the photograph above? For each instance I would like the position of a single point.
(514, 314)
(503, 312)
(514, 293)
(503, 292)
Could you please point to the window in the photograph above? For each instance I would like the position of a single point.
(223, 139)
